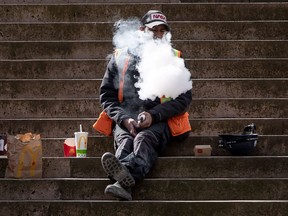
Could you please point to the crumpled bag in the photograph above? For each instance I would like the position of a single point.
(24, 153)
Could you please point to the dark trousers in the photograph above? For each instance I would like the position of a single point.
(140, 153)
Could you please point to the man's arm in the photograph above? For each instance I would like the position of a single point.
(177, 106)
(109, 93)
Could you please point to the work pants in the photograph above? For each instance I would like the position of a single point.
(140, 153)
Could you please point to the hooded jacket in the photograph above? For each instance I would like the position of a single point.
(132, 105)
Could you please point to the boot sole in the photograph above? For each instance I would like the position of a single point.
(117, 171)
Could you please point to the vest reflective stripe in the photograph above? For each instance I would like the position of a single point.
(121, 83)
(117, 53)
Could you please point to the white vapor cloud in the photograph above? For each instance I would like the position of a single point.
(161, 72)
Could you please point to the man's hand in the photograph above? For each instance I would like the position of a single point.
(131, 125)
(144, 120)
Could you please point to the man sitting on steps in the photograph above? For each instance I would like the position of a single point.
(142, 129)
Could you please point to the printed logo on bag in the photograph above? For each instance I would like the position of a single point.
(33, 156)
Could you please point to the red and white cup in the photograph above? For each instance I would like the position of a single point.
(69, 147)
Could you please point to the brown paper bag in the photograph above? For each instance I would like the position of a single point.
(24, 153)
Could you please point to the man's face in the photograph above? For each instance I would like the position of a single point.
(158, 31)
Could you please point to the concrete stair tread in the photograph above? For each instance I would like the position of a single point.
(268, 145)
(233, 88)
(123, 1)
(159, 207)
(146, 180)
(102, 12)
(100, 49)
(181, 30)
(65, 127)
(202, 108)
(132, 202)
(230, 167)
(95, 68)
(149, 189)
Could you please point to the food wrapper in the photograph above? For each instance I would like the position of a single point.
(24, 153)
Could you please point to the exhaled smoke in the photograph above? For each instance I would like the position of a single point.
(161, 72)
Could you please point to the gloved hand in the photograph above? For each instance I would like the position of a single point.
(144, 120)
(131, 125)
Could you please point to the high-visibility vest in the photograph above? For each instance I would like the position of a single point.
(178, 124)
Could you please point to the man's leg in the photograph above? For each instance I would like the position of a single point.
(123, 143)
(116, 170)
(147, 145)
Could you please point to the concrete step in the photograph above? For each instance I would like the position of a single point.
(238, 68)
(65, 127)
(95, 68)
(89, 108)
(113, 12)
(148, 189)
(78, 1)
(179, 167)
(89, 88)
(185, 30)
(81, 1)
(268, 145)
(151, 208)
(128, 1)
(100, 49)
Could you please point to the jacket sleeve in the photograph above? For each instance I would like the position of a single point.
(109, 93)
(177, 106)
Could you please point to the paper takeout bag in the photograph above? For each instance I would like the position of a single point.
(24, 153)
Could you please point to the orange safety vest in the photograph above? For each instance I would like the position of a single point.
(178, 124)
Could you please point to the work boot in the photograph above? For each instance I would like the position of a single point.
(117, 171)
(118, 191)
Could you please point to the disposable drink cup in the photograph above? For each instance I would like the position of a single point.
(81, 139)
